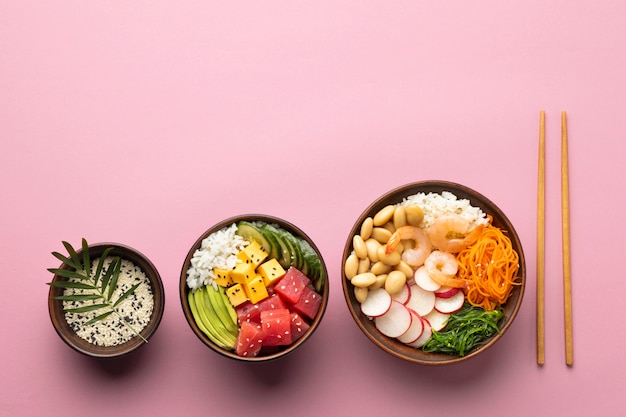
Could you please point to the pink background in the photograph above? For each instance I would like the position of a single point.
(146, 122)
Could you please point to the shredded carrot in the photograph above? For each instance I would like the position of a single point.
(490, 266)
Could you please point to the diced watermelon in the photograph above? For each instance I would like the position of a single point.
(273, 302)
(249, 340)
(248, 312)
(309, 304)
(290, 286)
(299, 326)
(252, 312)
(276, 326)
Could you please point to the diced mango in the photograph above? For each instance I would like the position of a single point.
(253, 254)
(256, 290)
(222, 277)
(243, 273)
(236, 294)
(271, 271)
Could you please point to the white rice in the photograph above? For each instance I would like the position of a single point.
(219, 250)
(435, 205)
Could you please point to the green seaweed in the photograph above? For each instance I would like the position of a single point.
(469, 327)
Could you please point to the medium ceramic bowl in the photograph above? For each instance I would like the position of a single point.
(69, 336)
(271, 353)
(392, 345)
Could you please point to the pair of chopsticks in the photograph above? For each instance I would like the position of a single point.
(565, 223)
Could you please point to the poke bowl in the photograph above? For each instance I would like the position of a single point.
(115, 309)
(254, 288)
(433, 273)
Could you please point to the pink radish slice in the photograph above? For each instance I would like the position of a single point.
(424, 280)
(394, 322)
(437, 320)
(451, 304)
(446, 292)
(426, 334)
(403, 295)
(421, 301)
(377, 303)
(415, 331)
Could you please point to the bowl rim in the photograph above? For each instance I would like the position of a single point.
(184, 289)
(65, 332)
(396, 195)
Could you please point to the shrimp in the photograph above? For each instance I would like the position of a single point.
(451, 233)
(442, 268)
(416, 255)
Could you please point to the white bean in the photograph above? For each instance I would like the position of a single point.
(359, 247)
(363, 280)
(360, 294)
(384, 215)
(366, 228)
(395, 282)
(380, 268)
(414, 214)
(379, 283)
(364, 265)
(392, 258)
(372, 246)
(381, 234)
(351, 267)
(399, 217)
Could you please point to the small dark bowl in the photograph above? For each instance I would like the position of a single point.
(397, 348)
(67, 334)
(184, 290)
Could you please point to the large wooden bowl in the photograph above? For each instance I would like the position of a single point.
(403, 351)
(184, 290)
(67, 334)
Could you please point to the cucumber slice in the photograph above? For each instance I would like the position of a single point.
(284, 254)
(275, 250)
(313, 264)
(294, 248)
(252, 232)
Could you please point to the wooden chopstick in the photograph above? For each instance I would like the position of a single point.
(541, 241)
(567, 279)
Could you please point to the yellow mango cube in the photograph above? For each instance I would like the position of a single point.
(252, 254)
(243, 273)
(236, 294)
(256, 290)
(271, 271)
(222, 277)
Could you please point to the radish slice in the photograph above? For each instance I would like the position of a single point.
(423, 279)
(451, 304)
(437, 320)
(403, 295)
(394, 322)
(421, 301)
(377, 303)
(446, 292)
(426, 334)
(415, 331)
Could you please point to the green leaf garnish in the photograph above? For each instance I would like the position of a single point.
(96, 284)
(126, 294)
(102, 317)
